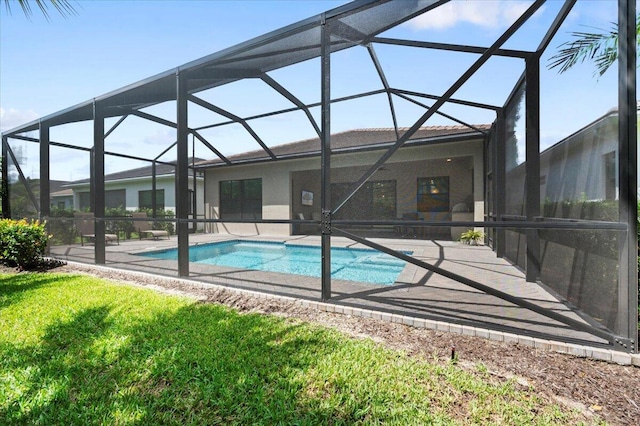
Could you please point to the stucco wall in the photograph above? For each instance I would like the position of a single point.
(283, 181)
(572, 170)
(132, 187)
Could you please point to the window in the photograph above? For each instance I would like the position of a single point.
(383, 199)
(84, 201)
(241, 199)
(433, 194)
(145, 202)
(610, 176)
(374, 200)
(113, 199)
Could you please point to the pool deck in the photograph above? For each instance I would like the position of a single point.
(417, 293)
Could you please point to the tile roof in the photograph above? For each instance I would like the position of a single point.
(161, 169)
(353, 139)
(62, 193)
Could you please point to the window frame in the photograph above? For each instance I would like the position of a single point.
(434, 199)
(160, 201)
(240, 202)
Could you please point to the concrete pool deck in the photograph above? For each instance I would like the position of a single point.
(419, 296)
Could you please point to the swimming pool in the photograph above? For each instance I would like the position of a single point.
(363, 265)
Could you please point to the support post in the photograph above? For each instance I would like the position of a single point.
(194, 174)
(154, 197)
(627, 175)
(97, 188)
(499, 176)
(4, 191)
(182, 175)
(92, 180)
(45, 175)
(45, 187)
(532, 167)
(325, 157)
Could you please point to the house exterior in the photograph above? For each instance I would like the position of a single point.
(579, 169)
(578, 182)
(132, 189)
(434, 177)
(437, 173)
(61, 198)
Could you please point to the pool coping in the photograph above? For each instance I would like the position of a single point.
(406, 272)
(580, 351)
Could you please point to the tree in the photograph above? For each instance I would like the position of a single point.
(63, 7)
(600, 47)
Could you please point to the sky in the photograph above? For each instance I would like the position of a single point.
(49, 65)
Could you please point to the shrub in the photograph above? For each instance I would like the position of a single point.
(21, 242)
(122, 225)
(61, 226)
(161, 214)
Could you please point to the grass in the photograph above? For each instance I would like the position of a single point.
(79, 350)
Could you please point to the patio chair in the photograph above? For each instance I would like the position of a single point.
(144, 227)
(409, 230)
(303, 229)
(85, 226)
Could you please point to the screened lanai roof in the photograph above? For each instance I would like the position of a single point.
(356, 22)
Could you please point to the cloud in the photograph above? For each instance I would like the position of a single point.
(490, 14)
(161, 139)
(12, 118)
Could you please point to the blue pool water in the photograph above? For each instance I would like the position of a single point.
(364, 265)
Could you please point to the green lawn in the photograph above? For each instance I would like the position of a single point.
(79, 350)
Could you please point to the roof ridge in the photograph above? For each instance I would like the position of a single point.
(436, 127)
(364, 134)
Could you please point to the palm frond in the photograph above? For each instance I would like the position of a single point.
(602, 48)
(63, 7)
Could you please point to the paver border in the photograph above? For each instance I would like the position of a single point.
(580, 351)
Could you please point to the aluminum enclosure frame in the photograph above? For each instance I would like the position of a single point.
(253, 59)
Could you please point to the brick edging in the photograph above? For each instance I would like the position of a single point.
(581, 351)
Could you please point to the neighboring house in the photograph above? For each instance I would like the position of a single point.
(578, 181)
(437, 172)
(580, 168)
(132, 189)
(62, 199)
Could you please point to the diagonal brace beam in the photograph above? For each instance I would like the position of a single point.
(450, 100)
(293, 109)
(385, 83)
(211, 147)
(441, 101)
(23, 179)
(449, 47)
(442, 114)
(153, 118)
(115, 126)
(294, 100)
(235, 118)
(577, 325)
(555, 26)
(165, 151)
